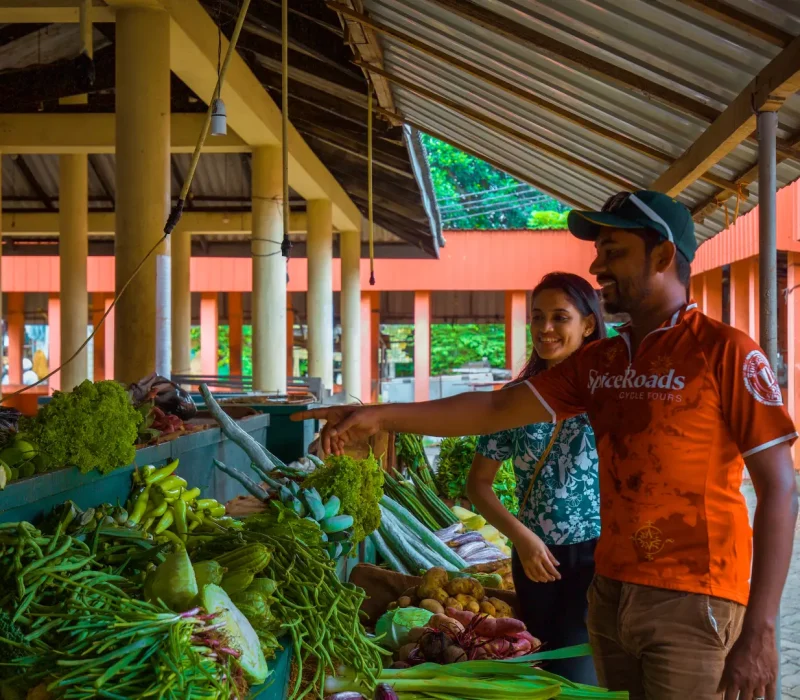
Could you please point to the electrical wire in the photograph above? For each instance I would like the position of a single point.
(173, 218)
(474, 194)
(501, 198)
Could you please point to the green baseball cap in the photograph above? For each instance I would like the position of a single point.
(642, 209)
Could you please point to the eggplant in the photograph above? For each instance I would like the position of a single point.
(466, 549)
(466, 539)
(449, 532)
(346, 695)
(385, 692)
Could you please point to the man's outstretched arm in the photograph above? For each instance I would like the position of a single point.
(475, 413)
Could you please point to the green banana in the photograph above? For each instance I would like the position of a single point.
(314, 504)
(340, 536)
(337, 523)
(335, 550)
(332, 506)
(297, 507)
(294, 487)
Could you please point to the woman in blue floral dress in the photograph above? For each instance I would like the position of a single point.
(558, 524)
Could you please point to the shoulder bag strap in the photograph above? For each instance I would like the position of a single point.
(539, 464)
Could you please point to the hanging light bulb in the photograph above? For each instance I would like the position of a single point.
(219, 121)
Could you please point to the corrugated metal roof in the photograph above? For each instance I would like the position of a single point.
(705, 62)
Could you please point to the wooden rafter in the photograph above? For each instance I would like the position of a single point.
(365, 45)
(517, 91)
(766, 92)
(745, 21)
(509, 131)
(35, 185)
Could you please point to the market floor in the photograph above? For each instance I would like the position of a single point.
(790, 616)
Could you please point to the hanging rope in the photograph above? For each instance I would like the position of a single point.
(724, 205)
(174, 216)
(369, 187)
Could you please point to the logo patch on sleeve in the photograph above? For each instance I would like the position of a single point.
(760, 379)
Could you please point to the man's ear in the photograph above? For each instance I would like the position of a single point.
(664, 256)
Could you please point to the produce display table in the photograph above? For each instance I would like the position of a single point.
(34, 497)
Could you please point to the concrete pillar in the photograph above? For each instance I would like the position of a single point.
(109, 333)
(209, 333)
(54, 338)
(516, 331)
(793, 342)
(269, 273)
(99, 341)
(375, 332)
(350, 247)
(319, 302)
(143, 190)
(366, 347)
(181, 301)
(738, 295)
(16, 335)
(752, 306)
(422, 345)
(235, 325)
(290, 369)
(712, 294)
(73, 204)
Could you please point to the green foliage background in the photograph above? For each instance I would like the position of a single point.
(455, 173)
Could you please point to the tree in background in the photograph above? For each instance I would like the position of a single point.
(471, 194)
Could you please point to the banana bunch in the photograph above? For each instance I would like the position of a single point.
(307, 503)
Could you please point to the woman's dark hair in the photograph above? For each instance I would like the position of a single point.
(583, 297)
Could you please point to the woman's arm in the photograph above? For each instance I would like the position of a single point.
(474, 413)
(538, 562)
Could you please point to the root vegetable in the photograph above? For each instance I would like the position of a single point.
(502, 609)
(433, 644)
(446, 624)
(499, 648)
(436, 577)
(466, 586)
(416, 634)
(488, 608)
(404, 601)
(520, 647)
(453, 655)
(453, 603)
(463, 616)
(405, 650)
(431, 605)
(433, 592)
(499, 627)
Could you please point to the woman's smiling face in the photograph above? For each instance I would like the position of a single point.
(557, 327)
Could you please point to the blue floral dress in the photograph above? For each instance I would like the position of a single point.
(564, 505)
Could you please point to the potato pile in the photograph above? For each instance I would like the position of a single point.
(437, 592)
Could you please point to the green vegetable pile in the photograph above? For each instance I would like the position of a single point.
(93, 427)
(359, 486)
(453, 465)
(320, 613)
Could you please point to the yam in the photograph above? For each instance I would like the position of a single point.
(446, 624)
(431, 605)
(465, 617)
(392, 605)
(502, 609)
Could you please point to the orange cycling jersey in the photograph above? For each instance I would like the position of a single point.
(673, 424)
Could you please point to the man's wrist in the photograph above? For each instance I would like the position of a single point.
(755, 623)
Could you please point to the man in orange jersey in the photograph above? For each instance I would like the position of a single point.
(679, 404)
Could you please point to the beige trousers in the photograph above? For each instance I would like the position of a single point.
(659, 644)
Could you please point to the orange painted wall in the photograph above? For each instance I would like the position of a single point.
(471, 260)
